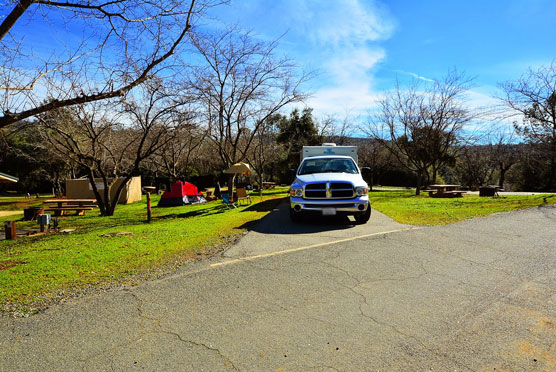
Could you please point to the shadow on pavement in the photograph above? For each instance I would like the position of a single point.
(278, 222)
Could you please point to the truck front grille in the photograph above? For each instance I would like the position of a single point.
(341, 185)
(315, 194)
(316, 186)
(337, 190)
(342, 193)
(315, 190)
(335, 205)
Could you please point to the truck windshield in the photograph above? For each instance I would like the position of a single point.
(328, 165)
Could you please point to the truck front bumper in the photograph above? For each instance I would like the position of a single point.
(355, 205)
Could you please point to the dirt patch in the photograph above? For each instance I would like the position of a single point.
(9, 213)
(5, 265)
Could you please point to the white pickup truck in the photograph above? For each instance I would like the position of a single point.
(329, 182)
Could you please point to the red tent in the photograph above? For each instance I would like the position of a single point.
(190, 189)
(180, 189)
(181, 193)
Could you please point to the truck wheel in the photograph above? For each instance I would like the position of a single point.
(363, 218)
(295, 216)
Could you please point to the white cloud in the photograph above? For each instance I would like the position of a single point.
(348, 83)
(338, 38)
(414, 75)
(350, 63)
(343, 22)
(344, 34)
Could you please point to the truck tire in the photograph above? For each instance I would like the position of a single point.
(363, 218)
(295, 216)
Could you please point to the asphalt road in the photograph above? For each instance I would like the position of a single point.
(478, 295)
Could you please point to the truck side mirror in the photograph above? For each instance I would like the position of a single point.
(365, 170)
(292, 171)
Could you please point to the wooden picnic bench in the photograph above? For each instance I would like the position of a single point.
(445, 191)
(489, 190)
(66, 205)
(268, 185)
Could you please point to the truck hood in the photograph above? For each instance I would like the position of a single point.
(356, 179)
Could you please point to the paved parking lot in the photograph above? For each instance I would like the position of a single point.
(479, 295)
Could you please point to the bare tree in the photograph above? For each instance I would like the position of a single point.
(124, 43)
(422, 124)
(32, 160)
(504, 153)
(239, 87)
(175, 158)
(265, 151)
(474, 166)
(337, 130)
(375, 155)
(533, 96)
(112, 144)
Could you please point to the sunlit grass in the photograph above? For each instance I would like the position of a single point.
(405, 207)
(34, 270)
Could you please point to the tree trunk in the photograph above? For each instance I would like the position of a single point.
(552, 174)
(419, 180)
(261, 180)
(57, 185)
(231, 179)
(100, 202)
(502, 178)
(109, 208)
(114, 201)
(11, 19)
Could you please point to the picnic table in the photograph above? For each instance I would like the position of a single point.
(268, 185)
(445, 191)
(489, 190)
(65, 205)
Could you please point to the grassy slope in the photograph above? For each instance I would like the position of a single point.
(405, 207)
(48, 265)
(11, 203)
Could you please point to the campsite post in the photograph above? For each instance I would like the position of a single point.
(11, 232)
(148, 206)
(148, 190)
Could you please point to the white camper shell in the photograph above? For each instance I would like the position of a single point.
(328, 149)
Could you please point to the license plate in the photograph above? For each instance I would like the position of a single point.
(329, 212)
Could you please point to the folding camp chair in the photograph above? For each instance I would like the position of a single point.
(227, 202)
(242, 195)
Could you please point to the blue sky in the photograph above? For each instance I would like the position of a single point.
(360, 47)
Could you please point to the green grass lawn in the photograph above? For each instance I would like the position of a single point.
(15, 203)
(35, 270)
(405, 207)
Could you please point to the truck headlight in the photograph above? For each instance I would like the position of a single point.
(360, 191)
(296, 192)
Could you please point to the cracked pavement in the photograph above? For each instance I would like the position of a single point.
(479, 295)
